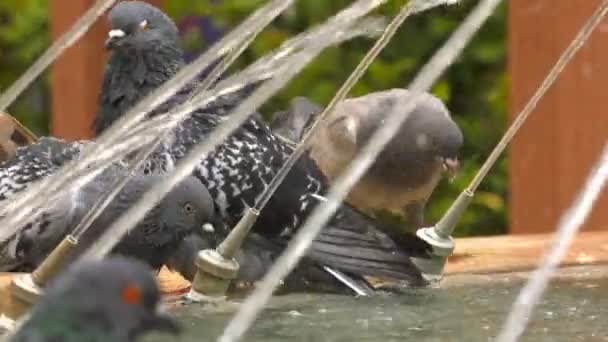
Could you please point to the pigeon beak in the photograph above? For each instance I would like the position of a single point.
(114, 36)
(163, 322)
(450, 166)
(208, 228)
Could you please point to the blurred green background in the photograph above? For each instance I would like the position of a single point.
(474, 88)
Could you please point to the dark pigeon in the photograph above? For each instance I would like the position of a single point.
(182, 212)
(115, 299)
(144, 45)
(241, 168)
(291, 124)
(404, 175)
(146, 49)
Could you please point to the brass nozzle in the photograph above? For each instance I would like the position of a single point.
(54, 262)
(446, 225)
(233, 242)
(214, 274)
(217, 268)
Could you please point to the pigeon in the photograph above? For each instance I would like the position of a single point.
(36, 161)
(143, 44)
(240, 169)
(291, 124)
(186, 208)
(149, 54)
(114, 299)
(406, 172)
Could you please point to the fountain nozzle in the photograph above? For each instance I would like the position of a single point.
(439, 237)
(216, 268)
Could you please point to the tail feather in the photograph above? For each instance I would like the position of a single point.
(355, 243)
(367, 262)
(345, 241)
(362, 253)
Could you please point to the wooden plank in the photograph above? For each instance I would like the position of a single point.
(552, 155)
(76, 76)
(485, 255)
(523, 252)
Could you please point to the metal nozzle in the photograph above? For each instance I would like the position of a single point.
(25, 289)
(233, 242)
(445, 227)
(217, 268)
(213, 275)
(54, 261)
(439, 237)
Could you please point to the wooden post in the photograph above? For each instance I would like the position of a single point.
(76, 76)
(552, 155)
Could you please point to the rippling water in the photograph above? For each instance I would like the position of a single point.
(574, 310)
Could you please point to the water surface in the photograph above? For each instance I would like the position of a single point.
(574, 310)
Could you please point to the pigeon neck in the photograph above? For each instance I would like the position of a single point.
(130, 75)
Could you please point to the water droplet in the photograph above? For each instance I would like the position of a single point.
(294, 313)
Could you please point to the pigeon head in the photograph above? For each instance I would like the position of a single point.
(117, 297)
(136, 24)
(427, 139)
(431, 133)
(188, 208)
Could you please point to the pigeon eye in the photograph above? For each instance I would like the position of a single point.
(144, 25)
(188, 208)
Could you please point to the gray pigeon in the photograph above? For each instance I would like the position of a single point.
(149, 54)
(115, 299)
(405, 174)
(183, 211)
(291, 124)
(144, 45)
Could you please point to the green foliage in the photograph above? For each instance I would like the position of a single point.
(474, 88)
(24, 34)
